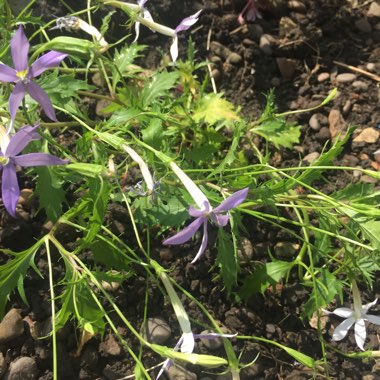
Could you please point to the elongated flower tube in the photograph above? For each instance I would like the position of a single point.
(145, 14)
(356, 316)
(22, 74)
(217, 215)
(10, 158)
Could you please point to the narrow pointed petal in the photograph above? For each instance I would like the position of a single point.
(174, 48)
(211, 336)
(47, 61)
(343, 312)
(221, 220)
(360, 333)
(188, 342)
(137, 31)
(366, 307)
(188, 22)
(19, 50)
(21, 139)
(373, 319)
(41, 97)
(232, 201)
(196, 213)
(8, 74)
(341, 331)
(39, 159)
(10, 190)
(15, 99)
(204, 243)
(186, 234)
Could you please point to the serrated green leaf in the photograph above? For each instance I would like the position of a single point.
(50, 191)
(157, 86)
(227, 259)
(213, 108)
(152, 134)
(265, 276)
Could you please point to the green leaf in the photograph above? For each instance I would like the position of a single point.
(88, 170)
(325, 289)
(152, 135)
(227, 259)
(50, 191)
(99, 196)
(106, 253)
(13, 272)
(213, 108)
(264, 276)
(157, 86)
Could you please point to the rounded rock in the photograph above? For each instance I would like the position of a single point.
(266, 41)
(297, 6)
(345, 78)
(314, 122)
(24, 368)
(211, 344)
(234, 58)
(359, 85)
(323, 77)
(12, 326)
(374, 9)
(156, 330)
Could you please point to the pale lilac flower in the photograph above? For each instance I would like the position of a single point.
(185, 24)
(216, 215)
(145, 14)
(249, 12)
(357, 317)
(22, 74)
(9, 160)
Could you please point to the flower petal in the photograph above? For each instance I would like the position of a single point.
(187, 22)
(197, 213)
(232, 201)
(343, 312)
(19, 50)
(366, 307)
(21, 139)
(41, 97)
(188, 342)
(174, 48)
(360, 333)
(8, 74)
(39, 159)
(221, 220)
(341, 331)
(137, 31)
(10, 190)
(49, 60)
(187, 233)
(373, 319)
(204, 243)
(15, 99)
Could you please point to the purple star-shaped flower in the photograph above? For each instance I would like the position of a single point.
(22, 74)
(9, 158)
(216, 216)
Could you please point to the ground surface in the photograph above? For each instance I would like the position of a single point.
(292, 49)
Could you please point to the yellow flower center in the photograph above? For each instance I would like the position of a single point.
(22, 74)
(3, 160)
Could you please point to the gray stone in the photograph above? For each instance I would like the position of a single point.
(110, 347)
(371, 67)
(347, 107)
(311, 157)
(24, 368)
(12, 326)
(220, 50)
(374, 9)
(337, 123)
(177, 372)
(156, 330)
(286, 249)
(324, 134)
(245, 250)
(363, 26)
(286, 66)
(359, 85)
(234, 58)
(323, 77)
(314, 122)
(266, 42)
(346, 78)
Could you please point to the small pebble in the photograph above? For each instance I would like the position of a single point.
(347, 107)
(110, 347)
(368, 135)
(297, 6)
(371, 67)
(24, 368)
(311, 157)
(345, 78)
(324, 134)
(211, 344)
(12, 326)
(156, 330)
(234, 58)
(177, 372)
(266, 41)
(376, 155)
(248, 42)
(360, 85)
(3, 365)
(314, 122)
(374, 9)
(323, 77)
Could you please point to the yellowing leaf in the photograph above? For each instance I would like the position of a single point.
(212, 108)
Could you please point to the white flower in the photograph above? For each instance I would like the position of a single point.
(356, 316)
